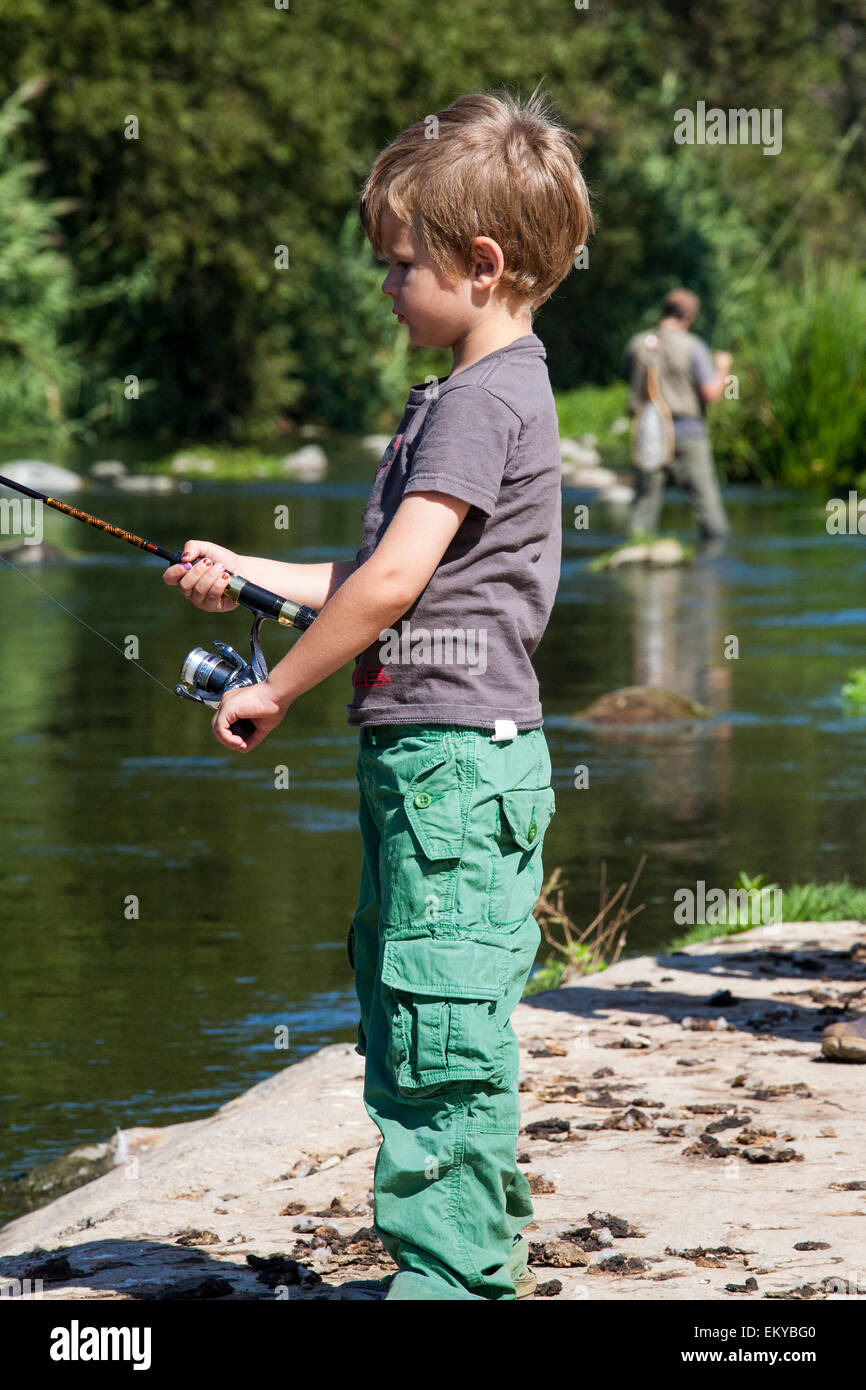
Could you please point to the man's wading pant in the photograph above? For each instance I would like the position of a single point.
(692, 469)
(442, 942)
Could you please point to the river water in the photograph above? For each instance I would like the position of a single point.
(115, 791)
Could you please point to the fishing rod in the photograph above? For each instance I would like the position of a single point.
(205, 676)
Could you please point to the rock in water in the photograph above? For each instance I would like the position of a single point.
(42, 477)
(642, 704)
(589, 476)
(666, 552)
(629, 555)
(618, 495)
(40, 554)
(582, 453)
(661, 552)
(108, 469)
(376, 443)
(190, 462)
(308, 463)
(146, 482)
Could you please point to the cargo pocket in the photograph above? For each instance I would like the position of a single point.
(440, 996)
(516, 870)
(422, 846)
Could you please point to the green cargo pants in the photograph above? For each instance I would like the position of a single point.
(442, 942)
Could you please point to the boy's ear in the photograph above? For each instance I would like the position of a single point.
(487, 258)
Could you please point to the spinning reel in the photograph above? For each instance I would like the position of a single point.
(206, 677)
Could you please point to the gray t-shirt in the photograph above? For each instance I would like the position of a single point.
(461, 653)
(703, 370)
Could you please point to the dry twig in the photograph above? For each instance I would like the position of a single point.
(607, 938)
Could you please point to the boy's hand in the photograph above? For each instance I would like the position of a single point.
(204, 583)
(255, 702)
(723, 362)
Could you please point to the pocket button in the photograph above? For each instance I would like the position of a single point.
(532, 831)
(422, 799)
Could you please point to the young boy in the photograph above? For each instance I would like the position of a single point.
(479, 213)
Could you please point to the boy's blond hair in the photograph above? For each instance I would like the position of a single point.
(487, 166)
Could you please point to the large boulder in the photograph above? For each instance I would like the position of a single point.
(642, 704)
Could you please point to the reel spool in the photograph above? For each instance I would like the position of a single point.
(205, 677)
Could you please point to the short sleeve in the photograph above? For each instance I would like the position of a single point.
(703, 367)
(464, 446)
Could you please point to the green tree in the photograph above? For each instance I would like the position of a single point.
(197, 138)
(36, 290)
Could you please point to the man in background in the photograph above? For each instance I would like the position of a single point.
(688, 378)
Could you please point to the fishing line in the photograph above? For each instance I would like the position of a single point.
(205, 676)
(45, 592)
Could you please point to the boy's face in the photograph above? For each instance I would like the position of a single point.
(437, 312)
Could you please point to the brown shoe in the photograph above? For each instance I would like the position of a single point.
(526, 1283)
(845, 1041)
